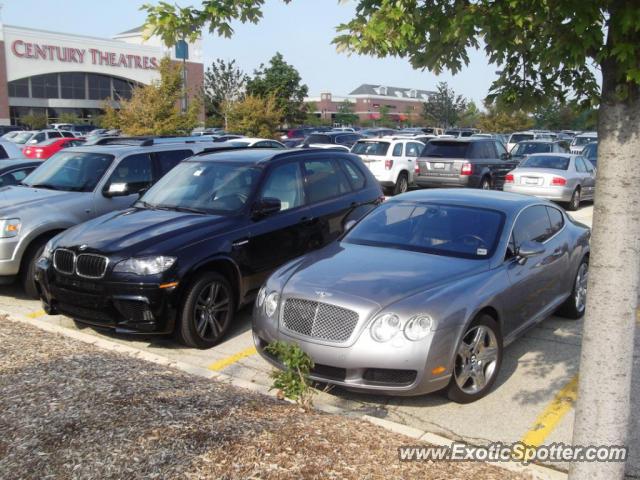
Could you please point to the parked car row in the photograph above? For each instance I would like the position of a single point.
(160, 236)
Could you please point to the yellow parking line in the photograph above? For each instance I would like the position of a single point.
(555, 411)
(38, 314)
(230, 360)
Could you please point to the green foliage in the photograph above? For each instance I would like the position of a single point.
(470, 116)
(155, 109)
(345, 114)
(558, 116)
(224, 84)
(500, 118)
(35, 121)
(444, 108)
(254, 116)
(67, 117)
(293, 381)
(283, 82)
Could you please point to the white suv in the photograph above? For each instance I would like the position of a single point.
(391, 160)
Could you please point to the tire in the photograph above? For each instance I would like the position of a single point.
(574, 203)
(474, 362)
(207, 311)
(574, 306)
(28, 271)
(402, 184)
(485, 183)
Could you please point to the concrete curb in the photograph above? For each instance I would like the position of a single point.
(537, 472)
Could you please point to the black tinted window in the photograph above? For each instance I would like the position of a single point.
(532, 225)
(354, 175)
(3, 153)
(315, 138)
(133, 172)
(397, 150)
(444, 149)
(169, 159)
(67, 135)
(557, 221)
(324, 180)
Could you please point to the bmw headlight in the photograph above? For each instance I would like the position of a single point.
(271, 303)
(261, 296)
(10, 228)
(145, 265)
(418, 327)
(47, 253)
(385, 327)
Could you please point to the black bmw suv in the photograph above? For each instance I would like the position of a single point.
(200, 243)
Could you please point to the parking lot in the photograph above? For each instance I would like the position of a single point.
(532, 400)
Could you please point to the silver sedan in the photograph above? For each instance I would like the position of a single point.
(561, 177)
(423, 293)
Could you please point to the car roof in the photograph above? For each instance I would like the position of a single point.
(461, 139)
(117, 149)
(554, 154)
(507, 202)
(258, 156)
(18, 162)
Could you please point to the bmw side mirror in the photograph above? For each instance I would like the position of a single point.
(265, 207)
(529, 249)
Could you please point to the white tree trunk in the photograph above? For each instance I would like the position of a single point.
(602, 412)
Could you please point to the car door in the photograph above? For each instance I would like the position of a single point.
(504, 164)
(534, 283)
(587, 177)
(132, 175)
(282, 236)
(330, 197)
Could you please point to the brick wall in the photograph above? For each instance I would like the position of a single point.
(4, 88)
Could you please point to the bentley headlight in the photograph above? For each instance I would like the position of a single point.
(10, 228)
(418, 327)
(385, 327)
(271, 303)
(261, 296)
(145, 265)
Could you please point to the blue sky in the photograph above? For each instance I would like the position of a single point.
(302, 31)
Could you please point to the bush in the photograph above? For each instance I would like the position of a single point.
(292, 382)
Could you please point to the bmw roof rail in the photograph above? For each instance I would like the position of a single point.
(147, 141)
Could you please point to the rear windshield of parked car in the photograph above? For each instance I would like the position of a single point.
(546, 161)
(314, 138)
(443, 149)
(371, 148)
(579, 141)
(527, 148)
(519, 137)
(448, 230)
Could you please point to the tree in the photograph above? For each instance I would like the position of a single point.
(443, 109)
(470, 116)
(35, 121)
(224, 84)
(154, 109)
(345, 114)
(283, 81)
(67, 117)
(501, 119)
(544, 50)
(255, 116)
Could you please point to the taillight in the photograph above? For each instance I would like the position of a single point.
(467, 169)
(388, 164)
(416, 170)
(558, 181)
(508, 178)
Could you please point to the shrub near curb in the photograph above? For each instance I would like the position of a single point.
(292, 382)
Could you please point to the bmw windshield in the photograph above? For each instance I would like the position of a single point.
(203, 187)
(448, 230)
(70, 172)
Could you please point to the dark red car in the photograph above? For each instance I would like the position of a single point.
(44, 150)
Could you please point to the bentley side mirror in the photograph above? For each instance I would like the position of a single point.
(529, 249)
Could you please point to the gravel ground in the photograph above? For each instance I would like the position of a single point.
(71, 410)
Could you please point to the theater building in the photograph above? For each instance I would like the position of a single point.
(51, 73)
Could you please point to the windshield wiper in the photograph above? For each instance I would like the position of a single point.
(180, 209)
(46, 186)
(146, 205)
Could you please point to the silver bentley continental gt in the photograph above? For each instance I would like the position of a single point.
(425, 291)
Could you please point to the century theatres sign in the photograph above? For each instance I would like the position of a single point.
(22, 49)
